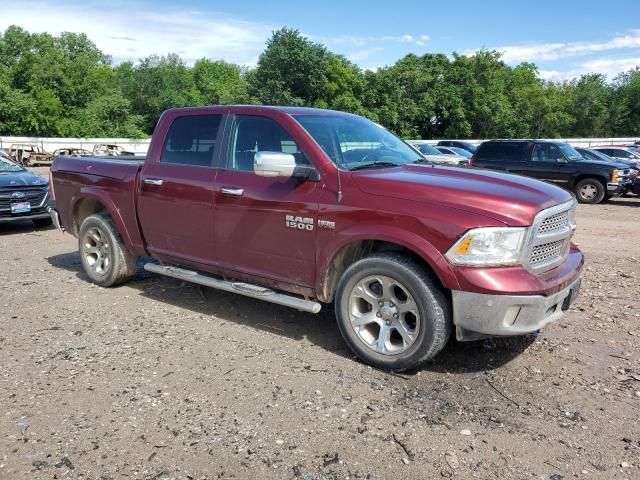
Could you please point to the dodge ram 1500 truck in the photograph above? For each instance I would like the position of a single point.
(301, 206)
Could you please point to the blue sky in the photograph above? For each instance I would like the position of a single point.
(563, 38)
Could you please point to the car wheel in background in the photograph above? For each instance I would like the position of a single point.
(590, 190)
(42, 222)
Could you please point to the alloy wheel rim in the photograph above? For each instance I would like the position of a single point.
(588, 192)
(97, 251)
(384, 315)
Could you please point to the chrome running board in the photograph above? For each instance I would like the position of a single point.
(246, 289)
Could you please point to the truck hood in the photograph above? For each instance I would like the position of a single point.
(510, 199)
(21, 179)
(615, 164)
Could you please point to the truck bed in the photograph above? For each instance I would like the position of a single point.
(110, 181)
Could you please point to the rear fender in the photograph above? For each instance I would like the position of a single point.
(100, 196)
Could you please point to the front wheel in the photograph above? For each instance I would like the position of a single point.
(391, 313)
(590, 190)
(105, 258)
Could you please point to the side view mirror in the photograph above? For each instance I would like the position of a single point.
(274, 164)
(562, 160)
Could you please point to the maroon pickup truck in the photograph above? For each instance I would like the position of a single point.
(300, 206)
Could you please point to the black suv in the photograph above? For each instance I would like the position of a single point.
(558, 163)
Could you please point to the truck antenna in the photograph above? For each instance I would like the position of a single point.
(339, 194)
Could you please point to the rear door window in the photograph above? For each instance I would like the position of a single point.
(546, 152)
(191, 140)
(501, 151)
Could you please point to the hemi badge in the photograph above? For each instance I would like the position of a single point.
(328, 224)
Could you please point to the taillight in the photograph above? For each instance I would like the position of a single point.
(471, 160)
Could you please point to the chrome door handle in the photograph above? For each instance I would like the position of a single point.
(153, 181)
(233, 191)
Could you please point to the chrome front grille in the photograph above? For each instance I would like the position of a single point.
(545, 252)
(550, 236)
(554, 223)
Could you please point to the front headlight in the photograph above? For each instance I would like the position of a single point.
(489, 246)
(617, 176)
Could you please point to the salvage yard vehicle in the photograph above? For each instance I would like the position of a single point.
(23, 195)
(469, 147)
(72, 152)
(433, 155)
(110, 150)
(622, 154)
(29, 155)
(268, 202)
(557, 163)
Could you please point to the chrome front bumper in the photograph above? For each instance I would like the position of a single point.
(478, 315)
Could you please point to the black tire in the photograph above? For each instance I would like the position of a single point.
(432, 305)
(590, 190)
(42, 222)
(122, 263)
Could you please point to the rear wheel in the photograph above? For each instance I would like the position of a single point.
(105, 258)
(391, 313)
(590, 190)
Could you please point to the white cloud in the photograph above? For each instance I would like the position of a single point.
(363, 54)
(536, 52)
(611, 66)
(606, 66)
(357, 41)
(128, 31)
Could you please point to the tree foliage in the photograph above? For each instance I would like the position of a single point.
(64, 85)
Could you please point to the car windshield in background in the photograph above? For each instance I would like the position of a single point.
(569, 152)
(7, 166)
(427, 149)
(354, 142)
(462, 152)
(595, 155)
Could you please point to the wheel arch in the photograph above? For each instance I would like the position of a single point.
(89, 202)
(355, 247)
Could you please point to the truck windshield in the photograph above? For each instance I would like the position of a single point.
(570, 152)
(354, 142)
(7, 166)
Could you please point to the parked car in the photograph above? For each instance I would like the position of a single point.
(557, 163)
(110, 150)
(5, 155)
(460, 152)
(23, 195)
(72, 152)
(268, 202)
(27, 154)
(470, 147)
(625, 154)
(433, 155)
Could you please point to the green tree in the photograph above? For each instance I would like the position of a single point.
(219, 82)
(290, 71)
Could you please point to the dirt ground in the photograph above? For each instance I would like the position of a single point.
(159, 379)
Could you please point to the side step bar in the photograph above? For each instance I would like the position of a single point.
(245, 289)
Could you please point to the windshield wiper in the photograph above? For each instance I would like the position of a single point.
(423, 160)
(378, 164)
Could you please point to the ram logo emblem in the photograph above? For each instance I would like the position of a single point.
(299, 223)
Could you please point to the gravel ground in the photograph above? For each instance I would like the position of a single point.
(159, 379)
